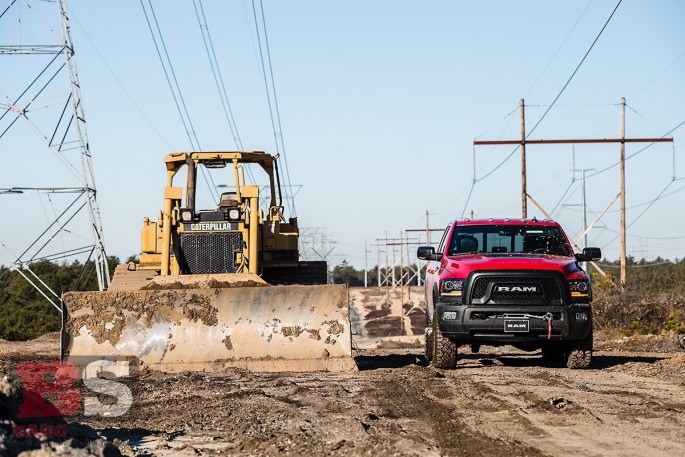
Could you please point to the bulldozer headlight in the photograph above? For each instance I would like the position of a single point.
(186, 215)
(234, 214)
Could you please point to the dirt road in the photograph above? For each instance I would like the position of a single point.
(495, 403)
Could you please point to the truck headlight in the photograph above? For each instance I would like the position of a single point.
(451, 286)
(579, 288)
(186, 215)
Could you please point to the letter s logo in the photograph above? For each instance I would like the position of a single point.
(91, 405)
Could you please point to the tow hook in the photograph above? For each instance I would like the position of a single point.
(549, 318)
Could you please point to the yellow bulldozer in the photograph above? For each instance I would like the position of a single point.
(215, 287)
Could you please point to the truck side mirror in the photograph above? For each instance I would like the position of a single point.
(427, 253)
(589, 254)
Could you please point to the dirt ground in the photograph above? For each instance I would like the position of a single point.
(498, 402)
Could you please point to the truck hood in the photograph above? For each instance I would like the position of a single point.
(462, 265)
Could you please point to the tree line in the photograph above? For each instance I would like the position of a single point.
(24, 312)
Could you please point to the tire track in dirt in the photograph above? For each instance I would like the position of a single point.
(435, 400)
(596, 412)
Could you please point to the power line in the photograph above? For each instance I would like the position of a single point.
(658, 76)
(644, 117)
(278, 112)
(473, 184)
(508, 118)
(274, 112)
(657, 198)
(218, 78)
(563, 196)
(558, 49)
(118, 81)
(7, 9)
(637, 152)
(649, 237)
(617, 163)
(187, 122)
(559, 94)
(498, 122)
(216, 71)
(576, 70)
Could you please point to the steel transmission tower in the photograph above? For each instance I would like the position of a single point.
(316, 244)
(45, 146)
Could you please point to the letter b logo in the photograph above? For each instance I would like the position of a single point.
(48, 389)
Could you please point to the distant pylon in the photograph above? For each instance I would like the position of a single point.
(55, 122)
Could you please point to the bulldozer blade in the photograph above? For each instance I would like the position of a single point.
(272, 328)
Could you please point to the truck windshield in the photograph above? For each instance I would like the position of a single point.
(508, 239)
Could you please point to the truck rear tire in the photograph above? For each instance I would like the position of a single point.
(444, 349)
(579, 355)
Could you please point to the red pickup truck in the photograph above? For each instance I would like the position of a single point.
(508, 282)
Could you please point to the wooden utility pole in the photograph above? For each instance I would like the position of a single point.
(366, 265)
(524, 192)
(623, 194)
(428, 230)
(622, 140)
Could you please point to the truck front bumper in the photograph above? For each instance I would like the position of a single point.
(466, 324)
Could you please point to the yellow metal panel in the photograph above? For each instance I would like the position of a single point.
(249, 191)
(148, 238)
(150, 262)
(173, 193)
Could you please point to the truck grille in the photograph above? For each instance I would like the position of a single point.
(210, 253)
(482, 288)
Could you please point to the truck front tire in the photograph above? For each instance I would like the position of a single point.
(444, 349)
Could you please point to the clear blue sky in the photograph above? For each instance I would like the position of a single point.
(380, 103)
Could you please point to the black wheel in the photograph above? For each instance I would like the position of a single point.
(553, 355)
(428, 346)
(681, 340)
(579, 355)
(444, 349)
